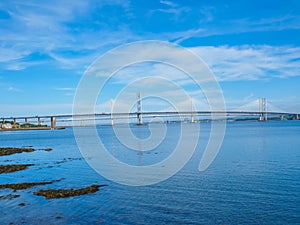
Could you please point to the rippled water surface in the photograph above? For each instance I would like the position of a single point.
(255, 179)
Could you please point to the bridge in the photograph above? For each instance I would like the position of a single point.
(262, 114)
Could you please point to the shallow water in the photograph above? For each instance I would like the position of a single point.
(255, 179)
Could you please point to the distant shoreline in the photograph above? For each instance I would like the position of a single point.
(32, 128)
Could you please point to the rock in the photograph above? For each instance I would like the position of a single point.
(65, 193)
(13, 167)
(21, 186)
(10, 151)
(9, 197)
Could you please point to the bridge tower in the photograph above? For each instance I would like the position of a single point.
(262, 106)
(192, 112)
(111, 113)
(139, 109)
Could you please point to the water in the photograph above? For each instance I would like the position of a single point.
(255, 179)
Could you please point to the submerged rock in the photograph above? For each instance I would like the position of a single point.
(46, 149)
(65, 193)
(13, 167)
(10, 151)
(9, 197)
(22, 186)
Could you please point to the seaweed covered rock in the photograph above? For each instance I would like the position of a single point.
(13, 167)
(21, 186)
(65, 193)
(9, 197)
(10, 151)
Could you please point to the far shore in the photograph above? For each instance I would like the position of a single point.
(33, 128)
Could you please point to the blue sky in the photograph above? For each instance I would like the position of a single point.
(252, 47)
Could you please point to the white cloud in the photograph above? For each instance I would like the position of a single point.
(171, 7)
(251, 62)
(64, 89)
(168, 3)
(269, 23)
(237, 26)
(228, 63)
(13, 89)
(44, 28)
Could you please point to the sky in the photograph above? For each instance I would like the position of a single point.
(251, 47)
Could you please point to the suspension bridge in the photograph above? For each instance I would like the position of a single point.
(258, 109)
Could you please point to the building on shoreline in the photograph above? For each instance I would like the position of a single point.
(6, 126)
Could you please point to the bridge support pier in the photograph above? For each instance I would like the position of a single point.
(297, 117)
(15, 120)
(53, 122)
(139, 118)
(112, 120)
(281, 117)
(26, 120)
(39, 120)
(192, 119)
(139, 110)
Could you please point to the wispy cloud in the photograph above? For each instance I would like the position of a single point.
(48, 28)
(14, 89)
(67, 91)
(228, 63)
(52, 30)
(284, 22)
(238, 26)
(171, 8)
(251, 62)
(64, 89)
(168, 3)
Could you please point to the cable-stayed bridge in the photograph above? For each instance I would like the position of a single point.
(258, 109)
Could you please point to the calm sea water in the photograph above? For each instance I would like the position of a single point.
(255, 179)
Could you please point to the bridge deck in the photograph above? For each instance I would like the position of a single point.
(134, 114)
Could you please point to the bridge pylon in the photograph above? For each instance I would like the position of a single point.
(139, 109)
(262, 107)
(111, 113)
(192, 111)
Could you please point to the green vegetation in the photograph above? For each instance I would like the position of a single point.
(6, 121)
(15, 125)
(30, 125)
